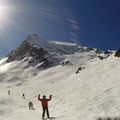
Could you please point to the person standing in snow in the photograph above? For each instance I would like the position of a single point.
(44, 102)
(23, 96)
(30, 104)
(8, 92)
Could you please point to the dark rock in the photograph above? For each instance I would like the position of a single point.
(117, 54)
(66, 63)
(101, 57)
(107, 52)
(79, 69)
(98, 51)
(89, 49)
(37, 55)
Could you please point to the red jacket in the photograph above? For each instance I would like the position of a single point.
(44, 101)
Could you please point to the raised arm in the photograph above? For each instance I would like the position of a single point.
(50, 98)
(39, 98)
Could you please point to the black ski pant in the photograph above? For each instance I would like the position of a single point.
(31, 107)
(45, 109)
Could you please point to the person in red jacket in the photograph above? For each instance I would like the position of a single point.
(44, 102)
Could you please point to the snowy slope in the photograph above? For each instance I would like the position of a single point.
(91, 93)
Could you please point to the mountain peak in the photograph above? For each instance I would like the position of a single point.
(35, 40)
(51, 46)
(41, 50)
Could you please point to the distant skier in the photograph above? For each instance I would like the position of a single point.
(30, 104)
(44, 102)
(23, 96)
(8, 92)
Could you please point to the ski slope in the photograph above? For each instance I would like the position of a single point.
(93, 92)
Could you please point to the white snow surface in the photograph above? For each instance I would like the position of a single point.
(62, 43)
(93, 92)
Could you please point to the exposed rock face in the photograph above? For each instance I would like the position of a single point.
(88, 49)
(37, 55)
(20, 52)
(117, 54)
(108, 52)
(39, 50)
(36, 50)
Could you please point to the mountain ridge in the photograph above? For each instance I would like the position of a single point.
(85, 85)
(41, 50)
(52, 47)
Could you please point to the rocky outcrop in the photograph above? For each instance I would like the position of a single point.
(117, 54)
(37, 55)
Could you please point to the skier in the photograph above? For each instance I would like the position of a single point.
(44, 102)
(8, 92)
(30, 104)
(23, 96)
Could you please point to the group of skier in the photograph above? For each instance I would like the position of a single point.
(44, 102)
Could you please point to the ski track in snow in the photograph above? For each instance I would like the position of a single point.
(93, 92)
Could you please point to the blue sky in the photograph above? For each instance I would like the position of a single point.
(94, 23)
(99, 22)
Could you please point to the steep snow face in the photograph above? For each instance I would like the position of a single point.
(92, 92)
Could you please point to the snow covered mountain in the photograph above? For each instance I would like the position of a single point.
(40, 50)
(84, 81)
